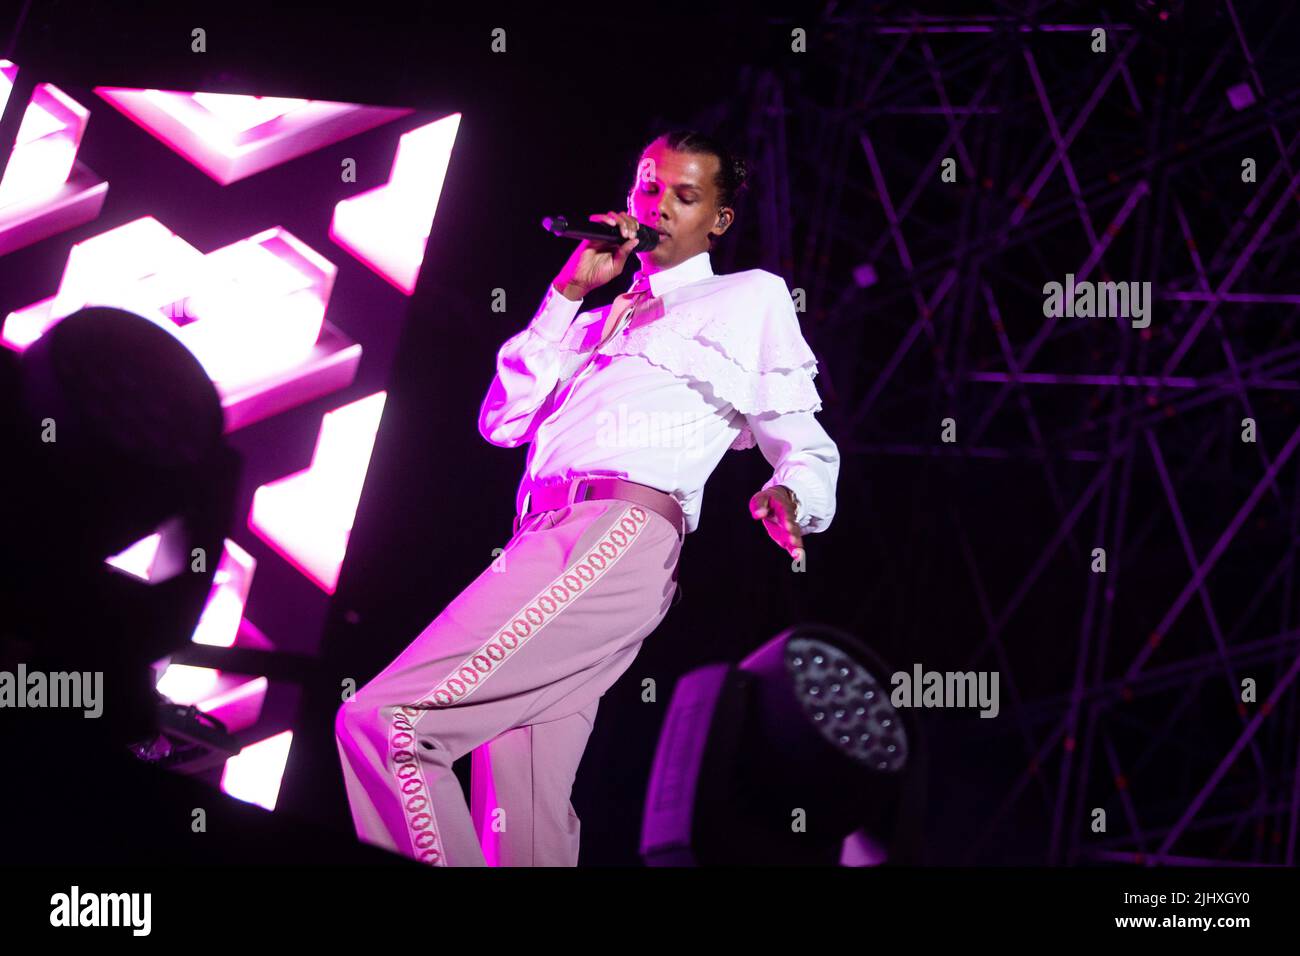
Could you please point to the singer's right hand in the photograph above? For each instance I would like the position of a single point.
(592, 264)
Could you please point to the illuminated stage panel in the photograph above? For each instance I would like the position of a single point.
(77, 201)
(253, 775)
(307, 517)
(157, 557)
(46, 147)
(234, 699)
(45, 190)
(188, 684)
(252, 636)
(223, 612)
(331, 365)
(224, 609)
(257, 307)
(138, 559)
(239, 706)
(8, 74)
(388, 227)
(232, 136)
(251, 312)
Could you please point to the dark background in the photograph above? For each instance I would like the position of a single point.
(931, 542)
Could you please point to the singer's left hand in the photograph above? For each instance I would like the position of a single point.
(776, 509)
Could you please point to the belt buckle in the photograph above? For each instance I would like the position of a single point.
(575, 489)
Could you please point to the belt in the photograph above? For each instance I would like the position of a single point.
(589, 489)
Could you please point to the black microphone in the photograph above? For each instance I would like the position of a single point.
(647, 238)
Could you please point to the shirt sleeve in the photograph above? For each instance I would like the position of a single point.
(805, 459)
(528, 369)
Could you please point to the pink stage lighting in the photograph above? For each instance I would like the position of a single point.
(234, 699)
(137, 560)
(8, 76)
(237, 701)
(46, 147)
(253, 775)
(45, 190)
(252, 312)
(263, 299)
(224, 610)
(222, 619)
(388, 227)
(307, 516)
(188, 684)
(156, 558)
(232, 136)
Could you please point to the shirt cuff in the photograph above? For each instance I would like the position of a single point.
(801, 494)
(555, 315)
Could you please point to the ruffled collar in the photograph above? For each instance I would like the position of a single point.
(738, 334)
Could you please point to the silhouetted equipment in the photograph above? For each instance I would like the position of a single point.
(189, 740)
(115, 431)
(138, 445)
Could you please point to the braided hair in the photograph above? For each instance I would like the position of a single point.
(732, 179)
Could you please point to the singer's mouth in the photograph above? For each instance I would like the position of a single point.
(662, 234)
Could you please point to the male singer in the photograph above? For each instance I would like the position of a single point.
(627, 410)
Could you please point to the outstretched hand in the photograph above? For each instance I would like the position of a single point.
(776, 508)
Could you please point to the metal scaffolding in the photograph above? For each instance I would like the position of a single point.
(925, 302)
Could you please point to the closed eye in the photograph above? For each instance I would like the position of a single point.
(650, 191)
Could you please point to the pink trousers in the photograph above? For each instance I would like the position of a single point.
(511, 671)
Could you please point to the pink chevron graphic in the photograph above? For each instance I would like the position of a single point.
(222, 622)
(307, 517)
(45, 190)
(156, 558)
(251, 312)
(223, 611)
(254, 774)
(233, 136)
(388, 227)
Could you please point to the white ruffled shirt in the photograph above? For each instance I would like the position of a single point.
(707, 363)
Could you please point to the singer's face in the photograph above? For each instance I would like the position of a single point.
(676, 193)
